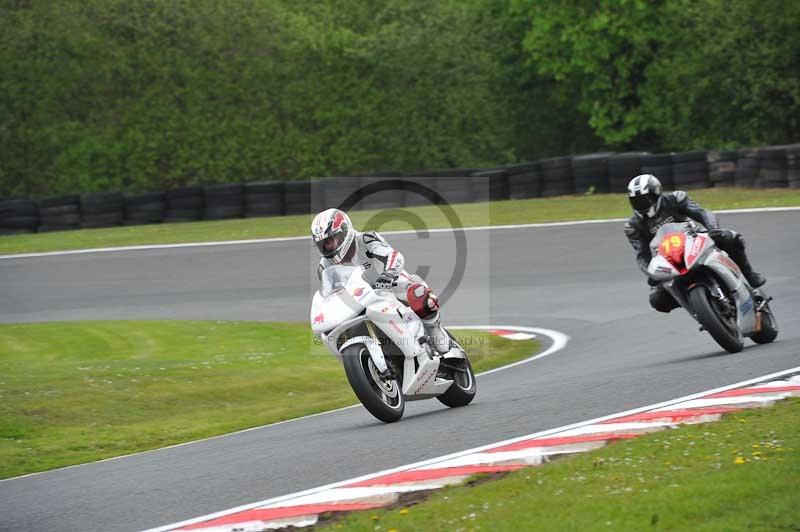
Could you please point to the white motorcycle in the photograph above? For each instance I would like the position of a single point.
(710, 286)
(382, 345)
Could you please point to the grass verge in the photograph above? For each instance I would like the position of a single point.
(75, 392)
(536, 210)
(741, 473)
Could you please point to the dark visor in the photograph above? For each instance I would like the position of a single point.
(329, 246)
(642, 203)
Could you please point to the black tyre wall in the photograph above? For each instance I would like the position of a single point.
(591, 173)
(223, 201)
(772, 167)
(386, 199)
(145, 208)
(623, 167)
(184, 204)
(722, 167)
(793, 166)
(557, 179)
(659, 165)
(59, 213)
(18, 216)
(335, 190)
(303, 197)
(690, 170)
(496, 180)
(746, 168)
(263, 199)
(453, 189)
(102, 209)
(524, 180)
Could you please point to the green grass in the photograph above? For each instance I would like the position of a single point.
(473, 214)
(742, 473)
(81, 391)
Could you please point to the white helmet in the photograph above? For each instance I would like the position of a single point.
(644, 193)
(333, 234)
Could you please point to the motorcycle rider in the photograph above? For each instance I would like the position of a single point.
(339, 243)
(652, 209)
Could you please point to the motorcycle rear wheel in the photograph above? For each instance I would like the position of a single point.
(462, 391)
(383, 399)
(769, 327)
(708, 316)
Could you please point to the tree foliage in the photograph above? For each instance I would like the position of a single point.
(673, 74)
(151, 94)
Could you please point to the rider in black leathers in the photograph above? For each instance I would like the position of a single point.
(652, 209)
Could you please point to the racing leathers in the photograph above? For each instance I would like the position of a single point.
(384, 267)
(678, 207)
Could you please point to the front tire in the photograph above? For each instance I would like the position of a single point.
(382, 398)
(725, 334)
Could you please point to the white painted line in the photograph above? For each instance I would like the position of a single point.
(432, 461)
(253, 241)
(559, 340)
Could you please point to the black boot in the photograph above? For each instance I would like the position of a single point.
(736, 251)
(753, 277)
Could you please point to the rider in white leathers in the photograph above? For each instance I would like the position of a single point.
(339, 243)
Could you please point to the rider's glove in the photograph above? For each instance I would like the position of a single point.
(386, 279)
(653, 282)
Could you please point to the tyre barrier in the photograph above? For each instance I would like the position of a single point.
(146, 208)
(335, 190)
(102, 209)
(223, 202)
(454, 189)
(722, 168)
(793, 166)
(18, 216)
(591, 173)
(769, 166)
(455, 185)
(60, 213)
(524, 181)
(557, 179)
(184, 205)
(302, 197)
(690, 170)
(622, 167)
(263, 199)
(386, 199)
(746, 168)
(495, 182)
(660, 165)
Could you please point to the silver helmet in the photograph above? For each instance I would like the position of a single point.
(644, 193)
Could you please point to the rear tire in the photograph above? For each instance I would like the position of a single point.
(709, 318)
(462, 391)
(383, 399)
(769, 327)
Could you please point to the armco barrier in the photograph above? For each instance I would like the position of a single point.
(770, 166)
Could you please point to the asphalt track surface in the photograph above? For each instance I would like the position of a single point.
(580, 280)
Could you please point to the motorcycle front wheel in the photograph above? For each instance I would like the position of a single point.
(708, 313)
(381, 397)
